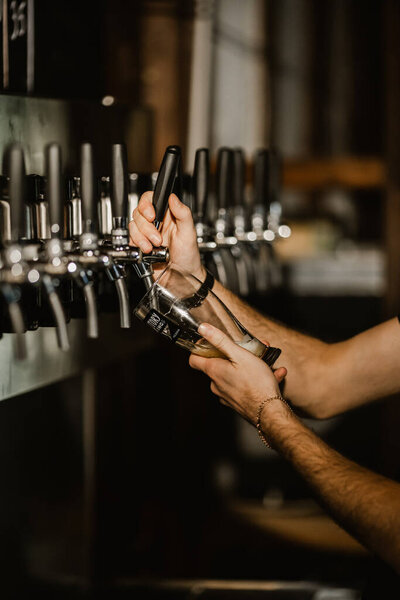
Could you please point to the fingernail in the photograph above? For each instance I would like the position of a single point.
(203, 328)
(156, 239)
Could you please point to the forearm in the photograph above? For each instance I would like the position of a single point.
(328, 379)
(362, 502)
(302, 355)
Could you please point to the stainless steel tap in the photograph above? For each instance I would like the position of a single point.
(223, 238)
(89, 253)
(13, 269)
(117, 246)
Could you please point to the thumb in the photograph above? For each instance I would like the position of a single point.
(219, 340)
(280, 374)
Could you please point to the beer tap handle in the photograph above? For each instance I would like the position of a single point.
(262, 166)
(275, 175)
(224, 178)
(119, 181)
(88, 187)
(54, 188)
(165, 182)
(201, 176)
(14, 167)
(239, 177)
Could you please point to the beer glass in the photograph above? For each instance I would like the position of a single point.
(178, 303)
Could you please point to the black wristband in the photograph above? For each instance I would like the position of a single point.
(200, 295)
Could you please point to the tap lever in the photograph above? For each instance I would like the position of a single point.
(239, 177)
(88, 184)
(262, 178)
(119, 180)
(224, 178)
(200, 182)
(165, 182)
(54, 187)
(275, 175)
(14, 167)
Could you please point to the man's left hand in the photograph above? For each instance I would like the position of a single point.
(242, 380)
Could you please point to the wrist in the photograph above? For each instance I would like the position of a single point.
(200, 273)
(274, 417)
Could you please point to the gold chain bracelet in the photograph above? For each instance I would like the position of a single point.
(259, 412)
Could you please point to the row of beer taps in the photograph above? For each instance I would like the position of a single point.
(50, 266)
(235, 236)
(65, 249)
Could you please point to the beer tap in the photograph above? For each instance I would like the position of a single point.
(89, 252)
(118, 247)
(54, 265)
(14, 271)
(105, 209)
(224, 193)
(241, 251)
(200, 196)
(63, 253)
(265, 219)
(74, 209)
(280, 230)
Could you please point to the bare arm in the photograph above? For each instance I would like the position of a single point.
(328, 379)
(323, 379)
(362, 502)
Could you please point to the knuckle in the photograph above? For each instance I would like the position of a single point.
(186, 211)
(210, 369)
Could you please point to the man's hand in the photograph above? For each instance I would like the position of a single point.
(177, 233)
(242, 381)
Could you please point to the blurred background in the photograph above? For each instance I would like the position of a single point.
(117, 464)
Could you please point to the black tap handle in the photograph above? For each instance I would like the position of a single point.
(275, 175)
(119, 181)
(54, 187)
(262, 172)
(239, 176)
(224, 177)
(14, 168)
(88, 184)
(201, 176)
(165, 182)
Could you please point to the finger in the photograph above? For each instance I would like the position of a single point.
(280, 374)
(219, 340)
(181, 213)
(217, 392)
(145, 207)
(147, 229)
(198, 362)
(138, 239)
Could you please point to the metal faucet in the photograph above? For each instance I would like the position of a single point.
(14, 272)
(117, 245)
(87, 251)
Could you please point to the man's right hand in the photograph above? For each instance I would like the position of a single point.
(177, 233)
